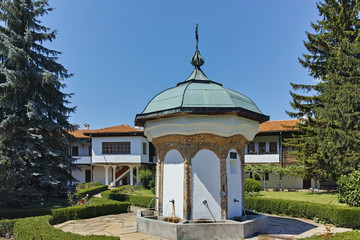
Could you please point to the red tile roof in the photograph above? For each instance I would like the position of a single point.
(116, 129)
(79, 133)
(278, 126)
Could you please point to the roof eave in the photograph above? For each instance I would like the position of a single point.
(114, 134)
(140, 119)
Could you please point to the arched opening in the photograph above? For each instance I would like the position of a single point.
(205, 174)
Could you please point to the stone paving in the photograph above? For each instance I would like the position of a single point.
(124, 226)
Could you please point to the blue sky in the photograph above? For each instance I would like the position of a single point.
(123, 53)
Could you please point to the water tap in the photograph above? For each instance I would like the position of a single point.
(235, 200)
(204, 202)
(172, 201)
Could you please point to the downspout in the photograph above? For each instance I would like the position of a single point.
(280, 150)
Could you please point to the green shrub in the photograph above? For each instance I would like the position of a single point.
(142, 201)
(349, 189)
(6, 228)
(340, 216)
(87, 185)
(145, 176)
(39, 228)
(251, 185)
(351, 235)
(91, 191)
(11, 213)
(152, 186)
(99, 207)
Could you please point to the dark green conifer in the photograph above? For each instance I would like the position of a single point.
(329, 143)
(34, 160)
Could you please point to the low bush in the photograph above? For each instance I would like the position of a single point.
(251, 185)
(6, 228)
(87, 185)
(91, 191)
(39, 228)
(340, 216)
(351, 235)
(98, 207)
(349, 189)
(145, 176)
(141, 201)
(11, 213)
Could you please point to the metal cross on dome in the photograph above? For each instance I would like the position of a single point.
(197, 36)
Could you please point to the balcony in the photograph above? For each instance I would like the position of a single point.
(82, 159)
(262, 158)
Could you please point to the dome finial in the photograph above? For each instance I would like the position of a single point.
(197, 60)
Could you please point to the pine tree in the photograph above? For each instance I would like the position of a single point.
(329, 141)
(34, 160)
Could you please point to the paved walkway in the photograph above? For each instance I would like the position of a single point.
(124, 226)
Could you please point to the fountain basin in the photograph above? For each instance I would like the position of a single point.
(205, 229)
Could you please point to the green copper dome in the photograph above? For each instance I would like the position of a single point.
(199, 95)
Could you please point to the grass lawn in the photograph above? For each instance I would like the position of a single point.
(136, 191)
(318, 197)
(352, 235)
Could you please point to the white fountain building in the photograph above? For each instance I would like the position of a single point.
(200, 130)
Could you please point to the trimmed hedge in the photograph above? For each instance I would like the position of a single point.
(11, 213)
(140, 201)
(91, 191)
(99, 207)
(6, 227)
(39, 228)
(340, 216)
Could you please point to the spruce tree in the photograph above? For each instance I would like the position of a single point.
(329, 141)
(34, 152)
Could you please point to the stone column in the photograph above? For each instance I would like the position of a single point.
(131, 175)
(187, 189)
(114, 176)
(160, 196)
(137, 175)
(106, 174)
(223, 184)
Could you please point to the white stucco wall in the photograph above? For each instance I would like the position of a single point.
(262, 158)
(79, 174)
(221, 125)
(205, 167)
(99, 174)
(173, 182)
(136, 155)
(234, 188)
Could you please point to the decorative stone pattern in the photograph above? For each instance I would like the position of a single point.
(188, 146)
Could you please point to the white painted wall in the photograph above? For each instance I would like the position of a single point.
(205, 176)
(82, 160)
(173, 183)
(220, 125)
(266, 139)
(99, 174)
(79, 174)
(262, 158)
(234, 187)
(135, 155)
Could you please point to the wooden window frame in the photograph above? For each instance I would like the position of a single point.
(116, 148)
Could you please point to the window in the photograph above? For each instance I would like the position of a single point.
(266, 176)
(251, 148)
(262, 147)
(144, 148)
(116, 147)
(273, 147)
(75, 151)
(233, 155)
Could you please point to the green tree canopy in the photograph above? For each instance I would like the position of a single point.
(34, 160)
(329, 143)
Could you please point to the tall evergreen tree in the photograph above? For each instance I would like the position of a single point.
(34, 160)
(329, 142)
